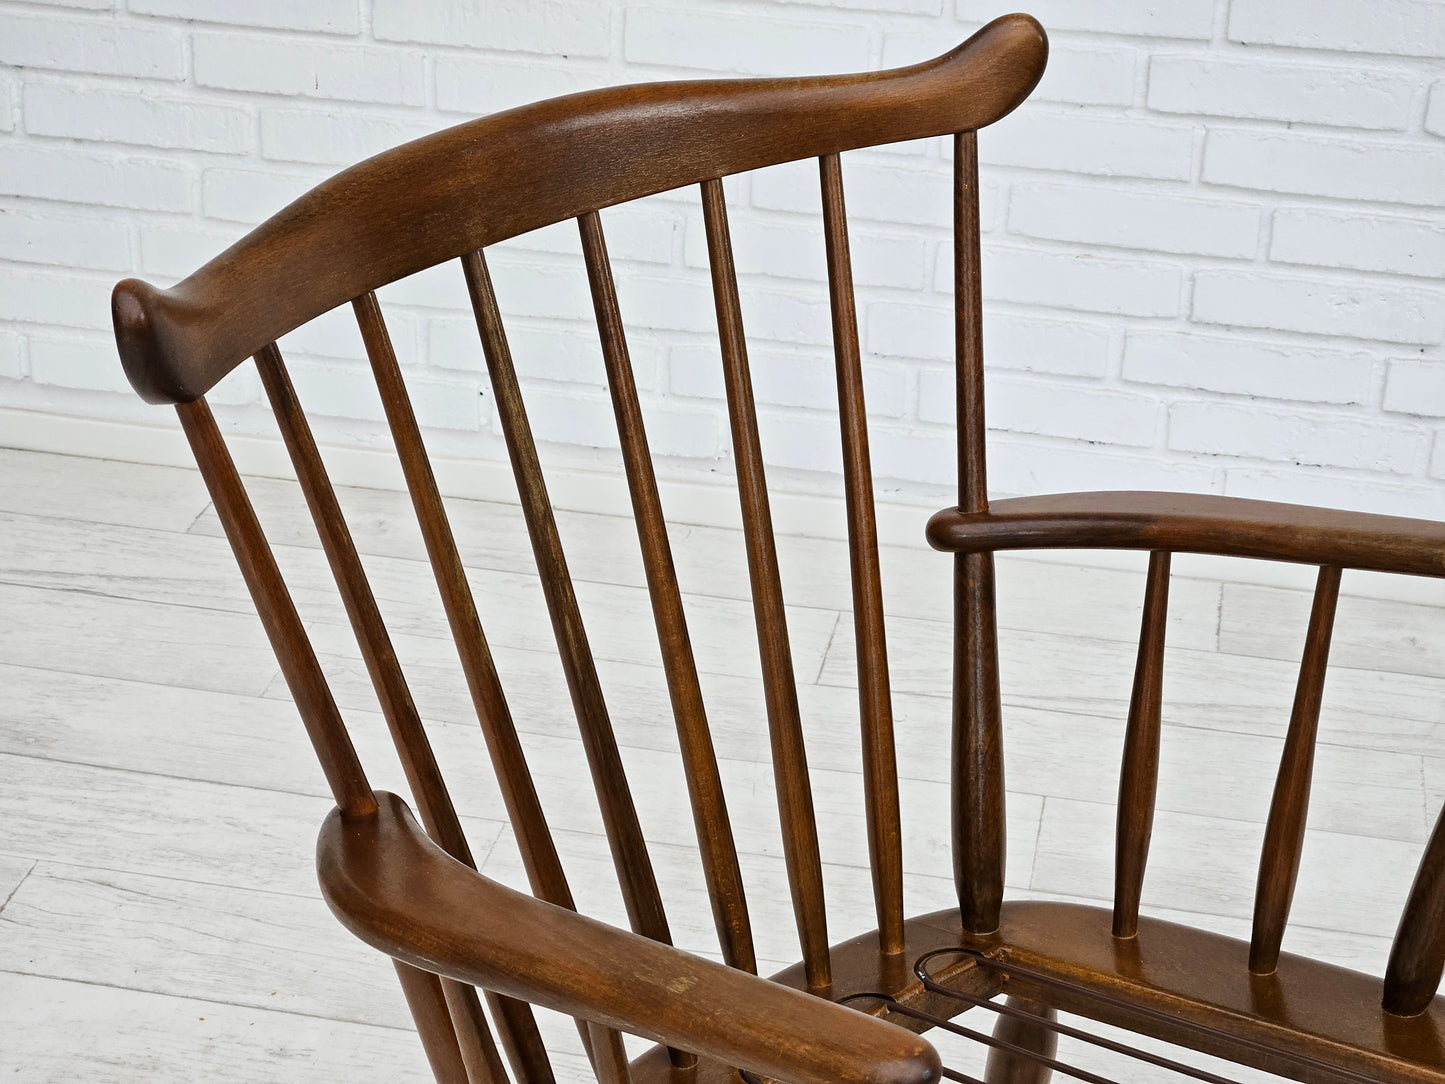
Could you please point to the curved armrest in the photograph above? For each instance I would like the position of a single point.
(1196, 523)
(395, 889)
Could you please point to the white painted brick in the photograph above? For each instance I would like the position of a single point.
(687, 38)
(69, 361)
(250, 195)
(1435, 116)
(1327, 440)
(1416, 386)
(569, 30)
(1314, 486)
(1132, 287)
(906, 7)
(1095, 75)
(99, 47)
(1034, 345)
(1132, 219)
(31, 296)
(1192, 19)
(12, 355)
(674, 304)
(1024, 405)
(325, 137)
(145, 184)
(326, 16)
(633, 232)
(1346, 97)
(274, 65)
(562, 416)
(769, 247)
(89, 5)
(348, 391)
(44, 235)
(1408, 27)
(1406, 246)
(123, 117)
(921, 196)
(789, 316)
(1355, 308)
(175, 251)
(1245, 367)
(1106, 146)
(785, 378)
(1437, 457)
(440, 287)
(913, 454)
(487, 85)
(1020, 467)
(1021, 343)
(807, 442)
(548, 291)
(335, 334)
(9, 96)
(1350, 169)
(564, 355)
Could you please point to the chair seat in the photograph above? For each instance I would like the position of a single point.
(1307, 1021)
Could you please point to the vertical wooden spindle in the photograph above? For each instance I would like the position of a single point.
(790, 764)
(978, 784)
(428, 1005)
(875, 702)
(1139, 776)
(1284, 832)
(1417, 956)
(619, 816)
(534, 839)
(704, 785)
(278, 614)
(418, 761)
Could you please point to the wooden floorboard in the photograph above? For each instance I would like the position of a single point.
(159, 918)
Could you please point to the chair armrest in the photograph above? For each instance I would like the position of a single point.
(396, 890)
(1196, 523)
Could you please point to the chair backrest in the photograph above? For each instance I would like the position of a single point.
(450, 195)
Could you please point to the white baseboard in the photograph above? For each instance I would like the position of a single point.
(707, 502)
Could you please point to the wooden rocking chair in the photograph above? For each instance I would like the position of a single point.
(411, 890)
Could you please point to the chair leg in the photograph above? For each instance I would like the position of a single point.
(1008, 1068)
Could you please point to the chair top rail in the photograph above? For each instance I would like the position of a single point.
(484, 181)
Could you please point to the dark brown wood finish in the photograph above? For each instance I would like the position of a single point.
(978, 786)
(442, 196)
(619, 816)
(539, 853)
(414, 895)
(790, 761)
(704, 784)
(1139, 776)
(875, 701)
(1417, 957)
(324, 725)
(1284, 833)
(1006, 1068)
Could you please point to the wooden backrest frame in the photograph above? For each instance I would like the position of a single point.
(470, 186)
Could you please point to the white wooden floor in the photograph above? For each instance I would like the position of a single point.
(158, 803)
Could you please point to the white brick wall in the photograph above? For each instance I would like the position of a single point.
(1214, 237)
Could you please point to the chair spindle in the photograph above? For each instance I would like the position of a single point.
(704, 784)
(1417, 957)
(978, 785)
(790, 763)
(875, 702)
(1139, 776)
(424, 997)
(1284, 832)
(619, 816)
(417, 758)
(323, 722)
(534, 840)
(474, 1038)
